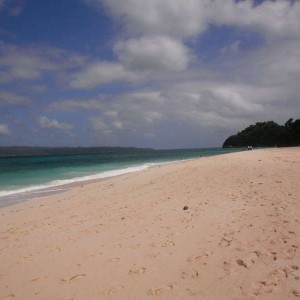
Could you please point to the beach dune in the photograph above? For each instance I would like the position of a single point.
(222, 227)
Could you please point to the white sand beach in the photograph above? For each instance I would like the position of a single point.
(129, 237)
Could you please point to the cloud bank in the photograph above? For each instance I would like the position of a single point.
(45, 122)
(178, 74)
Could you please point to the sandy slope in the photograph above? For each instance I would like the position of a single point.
(129, 237)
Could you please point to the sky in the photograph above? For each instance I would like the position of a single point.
(145, 73)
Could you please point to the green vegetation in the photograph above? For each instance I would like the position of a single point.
(267, 134)
(30, 151)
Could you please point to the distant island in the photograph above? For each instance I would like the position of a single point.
(31, 151)
(267, 134)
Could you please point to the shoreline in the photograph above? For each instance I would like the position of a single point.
(128, 237)
(49, 188)
(41, 192)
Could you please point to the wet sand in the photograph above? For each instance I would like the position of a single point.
(129, 237)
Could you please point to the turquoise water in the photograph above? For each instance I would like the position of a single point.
(31, 173)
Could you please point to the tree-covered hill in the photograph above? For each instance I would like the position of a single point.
(267, 134)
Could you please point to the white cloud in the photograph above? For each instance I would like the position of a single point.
(30, 63)
(22, 63)
(100, 126)
(111, 113)
(101, 73)
(72, 104)
(175, 17)
(4, 130)
(186, 101)
(152, 116)
(231, 102)
(9, 98)
(201, 104)
(158, 53)
(118, 124)
(277, 64)
(275, 18)
(170, 93)
(188, 109)
(138, 60)
(45, 122)
(155, 44)
(192, 17)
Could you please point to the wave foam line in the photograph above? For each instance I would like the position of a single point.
(102, 175)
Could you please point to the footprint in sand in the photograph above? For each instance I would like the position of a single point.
(113, 291)
(243, 246)
(168, 244)
(37, 278)
(270, 284)
(189, 274)
(185, 220)
(266, 256)
(159, 291)
(295, 292)
(135, 246)
(9, 297)
(236, 264)
(227, 239)
(196, 258)
(55, 249)
(241, 263)
(69, 279)
(273, 281)
(290, 253)
(22, 260)
(292, 272)
(114, 260)
(195, 293)
(137, 271)
(250, 288)
(91, 255)
(153, 255)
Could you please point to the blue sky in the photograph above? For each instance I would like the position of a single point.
(145, 73)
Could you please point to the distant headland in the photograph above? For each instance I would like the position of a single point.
(267, 134)
(30, 151)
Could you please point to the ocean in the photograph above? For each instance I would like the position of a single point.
(25, 177)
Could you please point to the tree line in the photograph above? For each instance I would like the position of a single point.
(267, 134)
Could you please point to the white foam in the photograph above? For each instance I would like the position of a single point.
(55, 183)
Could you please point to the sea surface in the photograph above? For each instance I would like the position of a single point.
(24, 177)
